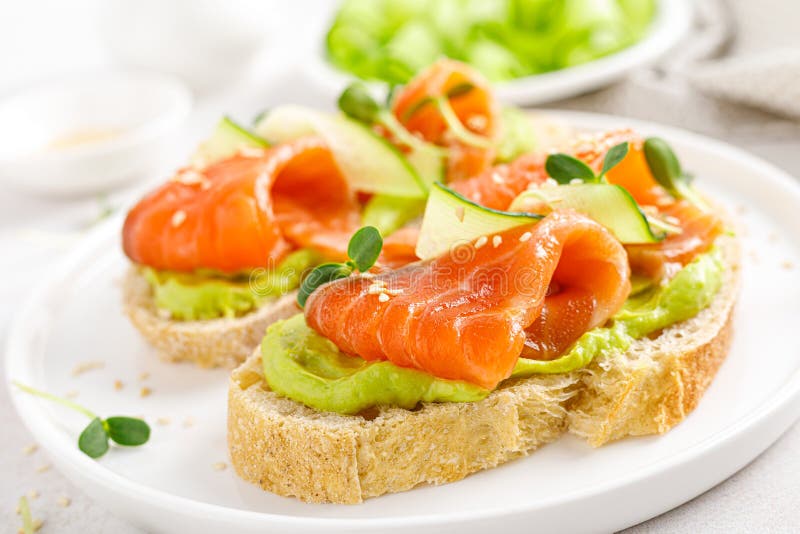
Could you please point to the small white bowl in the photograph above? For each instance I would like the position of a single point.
(89, 134)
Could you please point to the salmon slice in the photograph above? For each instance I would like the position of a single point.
(497, 187)
(476, 109)
(245, 212)
(470, 316)
(699, 229)
(399, 248)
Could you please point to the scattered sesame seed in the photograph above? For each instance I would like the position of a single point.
(383, 297)
(87, 366)
(497, 241)
(144, 376)
(118, 385)
(498, 178)
(30, 449)
(526, 236)
(482, 240)
(394, 292)
(460, 213)
(188, 422)
(220, 466)
(576, 181)
(672, 219)
(477, 122)
(163, 421)
(787, 265)
(145, 392)
(36, 524)
(550, 181)
(375, 289)
(368, 276)
(178, 217)
(71, 394)
(44, 467)
(63, 501)
(34, 494)
(189, 177)
(251, 152)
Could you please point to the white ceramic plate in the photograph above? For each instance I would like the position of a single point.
(669, 27)
(171, 485)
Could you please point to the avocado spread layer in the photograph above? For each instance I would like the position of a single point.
(308, 368)
(205, 295)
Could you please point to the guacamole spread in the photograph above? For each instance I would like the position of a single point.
(308, 368)
(207, 295)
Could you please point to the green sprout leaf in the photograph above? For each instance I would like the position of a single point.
(93, 441)
(666, 169)
(365, 247)
(615, 154)
(358, 104)
(128, 430)
(563, 169)
(664, 164)
(322, 274)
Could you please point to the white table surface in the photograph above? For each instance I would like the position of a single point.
(762, 497)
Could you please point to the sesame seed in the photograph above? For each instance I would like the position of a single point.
(188, 422)
(189, 177)
(482, 240)
(118, 385)
(87, 366)
(63, 501)
(526, 236)
(71, 394)
(36, 524)
(34, 494)
(477, 122)
(163, 421)
(576, 181)
(368, 276)
(383, 297)
(220, 466)
(497, 178)
(374, 289)
(251, 152)
(460, 213)
(672, 219)
(145, 392)
(550, 181)
(394, 292)
(178, 217)
(144, 376)
(43, 468)
(30, 449)
(497, 241)
(787, 265)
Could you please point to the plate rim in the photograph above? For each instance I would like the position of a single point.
(34, 416)
(671, 24)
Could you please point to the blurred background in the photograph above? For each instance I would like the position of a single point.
(167, 70)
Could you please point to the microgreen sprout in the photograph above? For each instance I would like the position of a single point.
(564, 168)
(363, 251)
(93, 441)
(667, 171)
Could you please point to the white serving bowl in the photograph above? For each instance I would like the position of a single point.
(126, 121)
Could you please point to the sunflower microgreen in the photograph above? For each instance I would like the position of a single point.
(93, 440)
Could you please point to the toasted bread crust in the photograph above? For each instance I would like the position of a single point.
(292, 450)
(210, 343)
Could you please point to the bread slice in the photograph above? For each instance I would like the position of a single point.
(209, 343)
(292, 450)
